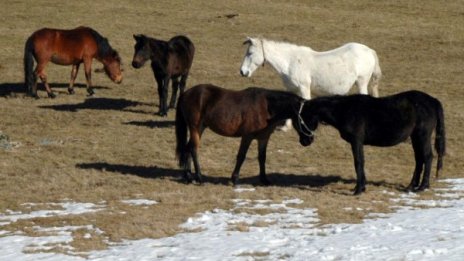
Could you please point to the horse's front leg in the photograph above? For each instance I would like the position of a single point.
(88, 76)
(242, 151)
(163, 84)
(175, 87)
(74, 70)
(358, 155)
(262, 147)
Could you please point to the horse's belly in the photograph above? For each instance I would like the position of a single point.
(63, 59)
(331, 86)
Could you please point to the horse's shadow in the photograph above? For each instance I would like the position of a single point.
(98, 104)
(303, 182)
(141, 171)
(15, 88)
(152, 124)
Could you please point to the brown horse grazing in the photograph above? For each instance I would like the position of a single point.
(68, 47)
(252, 113)
(169, 60)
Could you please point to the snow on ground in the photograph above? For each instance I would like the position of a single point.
(139, 202)
(286, 233)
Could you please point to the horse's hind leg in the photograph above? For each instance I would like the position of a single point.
(362, 84)
(419, 158)
(428, 156)
(74, 70)
(40, 71)
(194, 143)
(175, 87)
(242, 151)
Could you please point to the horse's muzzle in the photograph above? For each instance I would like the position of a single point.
(118, 80)
(306, 141)
(244, 74)
(136, 65)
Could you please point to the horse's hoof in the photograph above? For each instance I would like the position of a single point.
(410, 189)
(359, 190)
(52, 95)
(422, 188)
(90, 92)
(162, 114)
(71, 91)
(188, 177)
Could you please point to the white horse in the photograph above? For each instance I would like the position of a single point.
(308, 73)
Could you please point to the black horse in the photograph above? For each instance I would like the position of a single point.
(387, 121)
(251, 114)
(169, 60)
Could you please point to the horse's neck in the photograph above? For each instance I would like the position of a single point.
(326, 110)
(279, 55)
(159, 48)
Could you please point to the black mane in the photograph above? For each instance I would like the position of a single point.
(104, 48)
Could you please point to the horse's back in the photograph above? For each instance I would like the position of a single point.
(64, 46)
(391, 119)
(226, 112)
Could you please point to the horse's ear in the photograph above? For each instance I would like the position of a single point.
(247, 41)
(137, 37)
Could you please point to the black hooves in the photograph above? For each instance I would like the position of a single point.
(52, 95)
(416, 189)
(162, 114)
(359, 190)
(71, 91)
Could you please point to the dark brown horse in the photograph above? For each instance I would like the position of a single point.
(68, 47)
(169, 61)
(251, 114)
(387, 121)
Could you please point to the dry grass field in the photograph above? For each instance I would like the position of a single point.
(113, 147)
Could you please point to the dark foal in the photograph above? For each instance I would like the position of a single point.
(68, 47)
(387, 121)
(170, 60)
(251, 114)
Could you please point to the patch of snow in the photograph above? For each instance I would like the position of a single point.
(287, 234)
(139, 202)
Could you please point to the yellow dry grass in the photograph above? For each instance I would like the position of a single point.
(112, 147)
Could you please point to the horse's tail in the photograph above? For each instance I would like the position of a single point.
(440, 137)
(376, 75)
(181, 134)
(29, 76)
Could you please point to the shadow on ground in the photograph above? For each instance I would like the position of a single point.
(15, 88)
(277, 179)
(152, 124)
(141, 171)
(98, 104)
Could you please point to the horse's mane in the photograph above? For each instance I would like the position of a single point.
(104, 48)
(283, 43)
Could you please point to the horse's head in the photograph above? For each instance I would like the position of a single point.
(112, 66)
(141, 51)
(254, 56)
(305, 124)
